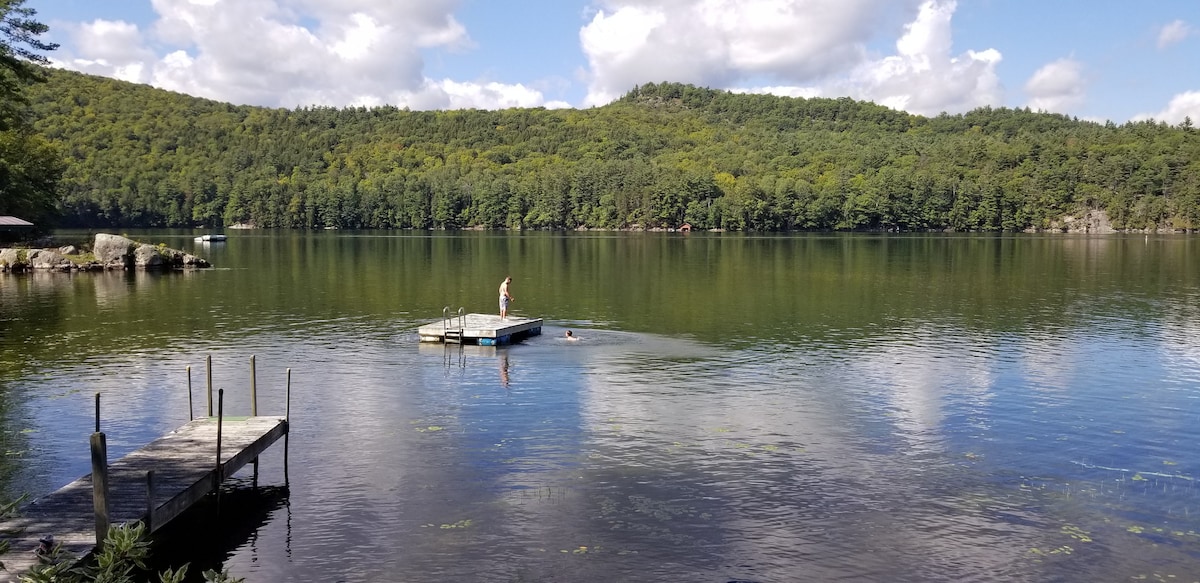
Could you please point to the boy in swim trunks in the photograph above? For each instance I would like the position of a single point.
(505, 297)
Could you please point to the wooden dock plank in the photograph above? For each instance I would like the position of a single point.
(185, 470)
(483, 329)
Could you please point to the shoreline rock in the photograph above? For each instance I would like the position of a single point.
(112, 252)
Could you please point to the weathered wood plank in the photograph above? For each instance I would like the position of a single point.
(477, 328)
(185, 471)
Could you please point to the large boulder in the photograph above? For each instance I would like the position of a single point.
(111, 251)
(114, 250)
(48, 259)
(148, 257)
(1093, 221)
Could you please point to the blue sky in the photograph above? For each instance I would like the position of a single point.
(1100, 59)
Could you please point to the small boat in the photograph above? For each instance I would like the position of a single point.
(210, 238)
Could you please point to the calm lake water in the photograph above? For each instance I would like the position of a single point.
(739, 408)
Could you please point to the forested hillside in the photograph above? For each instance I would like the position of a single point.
(662, 155)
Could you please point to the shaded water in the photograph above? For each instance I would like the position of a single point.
(815, 407)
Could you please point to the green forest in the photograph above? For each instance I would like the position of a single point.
(663, 155)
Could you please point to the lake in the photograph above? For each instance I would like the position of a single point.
(817, 407)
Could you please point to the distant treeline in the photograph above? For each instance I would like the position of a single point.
(663, 155)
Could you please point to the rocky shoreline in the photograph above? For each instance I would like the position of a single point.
(109, 252)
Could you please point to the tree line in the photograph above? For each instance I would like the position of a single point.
(30, 166)
(663, 155)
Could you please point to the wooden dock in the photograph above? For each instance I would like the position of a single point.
(481, 329)
(154, 484)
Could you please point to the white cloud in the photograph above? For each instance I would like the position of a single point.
(1058, 87)
(924, 77)
(1181, 106)
(1173, 33)
(802, 44)
(110, 48)
(115, 41)
(718, 43)
(489, 95)
(365, 52)
(290, 53)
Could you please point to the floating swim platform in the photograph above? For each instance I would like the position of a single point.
(481, 329)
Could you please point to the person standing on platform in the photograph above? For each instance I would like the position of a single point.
(505, 297)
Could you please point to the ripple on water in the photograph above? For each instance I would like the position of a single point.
(923, 451)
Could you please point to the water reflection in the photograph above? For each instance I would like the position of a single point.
(504, 369)
(849, 408)
(206, 536)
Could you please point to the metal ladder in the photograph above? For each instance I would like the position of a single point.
(452, 326)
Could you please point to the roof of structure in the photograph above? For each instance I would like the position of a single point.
(7, 221)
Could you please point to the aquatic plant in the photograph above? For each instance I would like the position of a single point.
(212, 576)
(121, 559)
(7, 510)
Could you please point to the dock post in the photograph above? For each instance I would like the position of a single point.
(219, 473)
(287, 404)
(150, 501)
(254, 410)
(287, 416)
(208, 360)
(253, 390)
(220, 416)
(191, 411)
(97, 412)
(100, 485)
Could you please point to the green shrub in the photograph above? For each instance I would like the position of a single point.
(121, 559)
